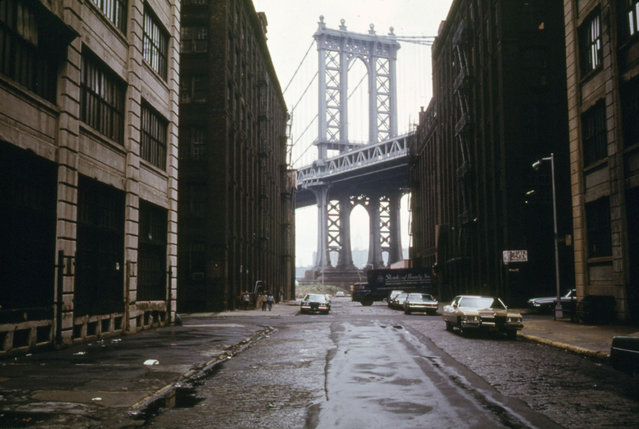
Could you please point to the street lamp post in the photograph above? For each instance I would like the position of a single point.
(536, 165)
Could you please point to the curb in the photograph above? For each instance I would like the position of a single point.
(166, 395)
(575, 349)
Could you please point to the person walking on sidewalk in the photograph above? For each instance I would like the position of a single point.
(269, 300)
(245, 299)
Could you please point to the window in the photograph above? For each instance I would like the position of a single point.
(99, 265)
(590, 43)
(630, 109)
(152, 253)
(153, 137)
(192, 88)
(102, 98)
(629, 22)
(115, 10)
(197, 201)
(194, 39)
(598, 228)
(26, 56)
(193, 143)
(156, 43)
(593, 124)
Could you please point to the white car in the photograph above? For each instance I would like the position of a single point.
(468, 312)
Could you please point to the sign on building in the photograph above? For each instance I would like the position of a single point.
(512, 256)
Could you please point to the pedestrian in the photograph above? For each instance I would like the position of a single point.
(269, 300)
(245, 299)
(264, 304)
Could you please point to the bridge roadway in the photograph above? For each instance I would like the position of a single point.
(378, 167)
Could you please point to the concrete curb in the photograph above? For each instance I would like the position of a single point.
(575, 349)
(166, 395)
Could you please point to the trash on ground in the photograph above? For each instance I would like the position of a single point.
(150, 362)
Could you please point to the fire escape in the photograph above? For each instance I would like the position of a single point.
(463, 134)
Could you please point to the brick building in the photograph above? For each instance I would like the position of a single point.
(236, 211)
(602, 51)
(88, 143)
(499, 104)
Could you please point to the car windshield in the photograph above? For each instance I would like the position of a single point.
(420, 297)
(315, 298)
(480, 302)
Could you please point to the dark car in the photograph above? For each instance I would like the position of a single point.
(547, 303)
(314, 303)
(423, 302)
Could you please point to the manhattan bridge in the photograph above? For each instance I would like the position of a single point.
(336, 171)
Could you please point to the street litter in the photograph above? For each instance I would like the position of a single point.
(79, 353)
(97, 398)
(150, 362)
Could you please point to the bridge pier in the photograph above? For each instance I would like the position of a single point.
(395, 236)
(334, 233)
(345, 259)
(322, 257)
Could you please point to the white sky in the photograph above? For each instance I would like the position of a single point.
(291, 24)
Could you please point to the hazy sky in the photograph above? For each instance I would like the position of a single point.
(291, 24)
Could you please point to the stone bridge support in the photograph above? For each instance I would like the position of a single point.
(334, 228)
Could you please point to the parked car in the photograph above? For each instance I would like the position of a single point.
(398, 301)
(469, 312)
(314, 303)
(547, 303)
(339, 293)
(423, 302)
(393, 295)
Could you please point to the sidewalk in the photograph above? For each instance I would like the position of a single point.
(116, 382)
(590, 340)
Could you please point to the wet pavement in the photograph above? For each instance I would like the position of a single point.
(119, 380)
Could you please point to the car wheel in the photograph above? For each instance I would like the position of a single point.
(406, 311)
(512, 334)
(431, 312)
(461, 330)
(449, 326)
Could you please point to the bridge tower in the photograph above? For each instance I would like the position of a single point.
(336, 50)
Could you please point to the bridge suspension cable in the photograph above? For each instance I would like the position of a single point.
(299, 66)
(304, 92)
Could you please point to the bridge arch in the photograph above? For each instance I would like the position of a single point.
(358, 101)
(336, 49)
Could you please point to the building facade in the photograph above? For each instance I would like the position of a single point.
(602, 50)
(88, 142)
(499, 105)
(236, 215)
